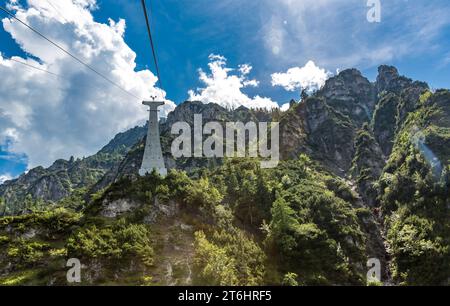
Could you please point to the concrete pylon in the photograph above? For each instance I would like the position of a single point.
(153, 158)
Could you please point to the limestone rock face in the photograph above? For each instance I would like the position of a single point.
(324, 125)
(385, 122)
(368, 164)
(117, 208)
(351, 94)
(397, 96)
(212, 112)
(389, 80)
(409, 99)
(164, 210)
(185, 113)
(318, 130)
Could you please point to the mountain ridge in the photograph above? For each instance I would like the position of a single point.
(60, 179)
(346, 101)
(365, 174)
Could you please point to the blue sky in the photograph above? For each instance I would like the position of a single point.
(271, 36)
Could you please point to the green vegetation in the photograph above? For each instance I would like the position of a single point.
(290, 279)
(59, 220)
(2, 207)
(27, 253)
(297, 221)
(384, 121)
(19, 278)
(229, 222)
(203, 194)
(414, 194)
(252, 227)
(117, 242)
(228, 259)
(367, 165)
(317, 235)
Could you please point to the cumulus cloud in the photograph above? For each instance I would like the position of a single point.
(224, 86)
(5, 177)
(285, 107)
(69, 111)
(309, 77)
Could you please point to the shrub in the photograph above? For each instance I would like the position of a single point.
(26, 252)
(290, 279)
(316, 235)
(118, 242)
(203, 194)
(228, 258)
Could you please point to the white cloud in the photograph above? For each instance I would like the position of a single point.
(50, 117)
(285, 107)
(225, 88)
(337, 34)
(309, 77)
(5, 177)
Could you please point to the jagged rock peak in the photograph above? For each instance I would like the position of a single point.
(352, 72)
(389, 80)
(186, 110)
(388, 72)
(125, 139)
(347, 83)
(350, 93)
(242, 108)
(386, 75)
(59, 165)
(195, 107)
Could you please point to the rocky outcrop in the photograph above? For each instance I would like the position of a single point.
(397, 96)
(117, 208)
(384, 122)
(351, 94)
(409, 99)
(389, 80)
(316, 129)
(368, 165)
(122, 142)
(324, 125)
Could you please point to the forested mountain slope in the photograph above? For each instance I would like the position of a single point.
(365, 174)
